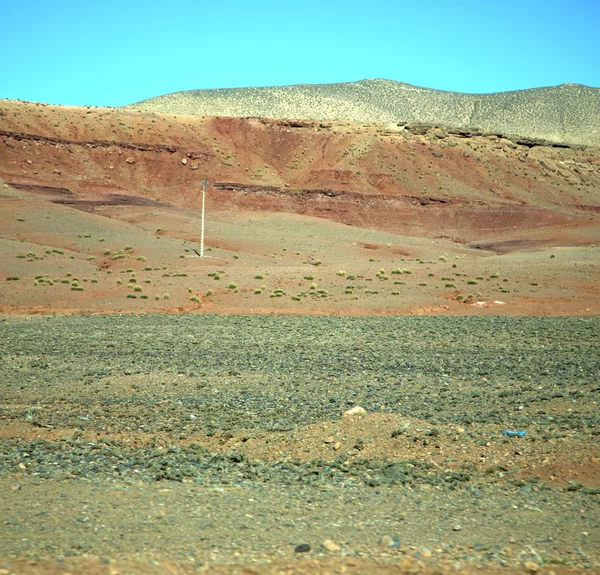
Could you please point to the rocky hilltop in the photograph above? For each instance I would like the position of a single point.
(567, 113)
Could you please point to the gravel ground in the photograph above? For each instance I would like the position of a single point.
(131, 435)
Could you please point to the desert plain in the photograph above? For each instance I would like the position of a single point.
(163, 412)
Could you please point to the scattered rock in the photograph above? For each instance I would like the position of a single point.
(355, 411)
(438, 154)
(531, 566)
(184, 161)
(387, 542)
(457, 527)
(130, 160)
(330, 439)
(302, 548)
(15, 487)
(337, 446)
(194, 166)
(331, 546)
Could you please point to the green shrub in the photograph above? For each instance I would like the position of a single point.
(195, 299)
(131, 296)
(232, 285)
(258, 277)
(137, 288)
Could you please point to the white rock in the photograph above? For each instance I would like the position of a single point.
(355, 411)
(331, 546)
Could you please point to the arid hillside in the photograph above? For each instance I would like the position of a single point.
(412, 179)
(566, 113)
(290, 200)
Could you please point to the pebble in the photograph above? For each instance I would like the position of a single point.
(302, 548)
(531, 566)
(457, 527)
(387, 542)
(15, 487)
(330, 439)
(358, 410)
(331, 546)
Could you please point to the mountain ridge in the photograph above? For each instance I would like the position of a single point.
(568, 113)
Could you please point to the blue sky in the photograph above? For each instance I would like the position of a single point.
(116, 52)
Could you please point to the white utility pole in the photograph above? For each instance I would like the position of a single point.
(203, 184)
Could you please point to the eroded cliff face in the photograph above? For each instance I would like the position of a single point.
(411, 179)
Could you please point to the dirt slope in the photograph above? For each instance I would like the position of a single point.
(416, 180)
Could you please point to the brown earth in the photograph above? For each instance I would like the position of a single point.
(345, 194)
(383, 219)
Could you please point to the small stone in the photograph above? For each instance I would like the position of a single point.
(387, 542)
(302, 548)
(130, 160)
(15, 487)
(457, 527)
(194, 165)
(531, 566)
(331, 546)
(355, 411)
(184, 161)
(337, 446)
(330, 439)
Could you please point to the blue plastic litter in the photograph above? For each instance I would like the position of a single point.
(509, 433)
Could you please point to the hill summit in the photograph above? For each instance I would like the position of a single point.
(568, 113)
